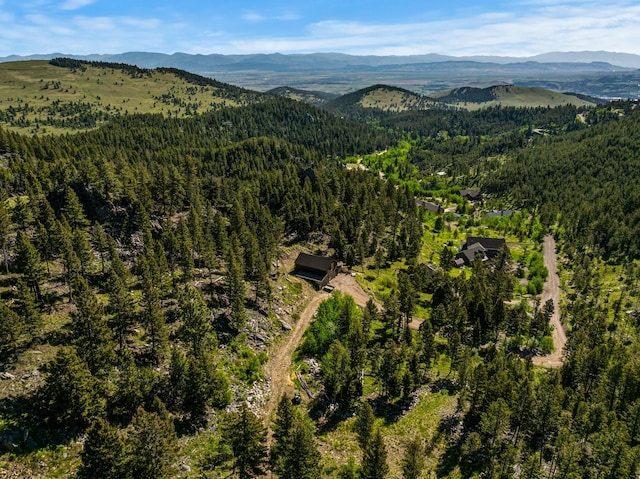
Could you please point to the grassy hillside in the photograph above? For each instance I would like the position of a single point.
(508, 95)
(383, 98)
(316, 98)
(38, 97)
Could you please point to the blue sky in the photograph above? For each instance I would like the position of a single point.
(400, 27)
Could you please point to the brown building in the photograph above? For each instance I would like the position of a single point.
(317, 269)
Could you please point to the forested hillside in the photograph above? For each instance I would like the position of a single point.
(588, 181)
(147, 283)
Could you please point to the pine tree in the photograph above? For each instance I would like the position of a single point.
(282, 443)
(91, 333)
(177, 379)
(73, 210)
(5, 227)
(374, 459)
(186, 251)
(153, 315)
(303, 460)
(153, 443)
(349, 470)
(83, 250)
(10, 330)
(247, 437)
(70, 260)
(121, 308)
(129, 395)
(29, 264)
(27, 308)
(363, 425)
(235, 290)
(196, 319)
(101, 244)
(69, 392)
(103, 454)
(413, 459)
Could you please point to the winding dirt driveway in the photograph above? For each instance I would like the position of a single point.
(552, 291)
(278, 367)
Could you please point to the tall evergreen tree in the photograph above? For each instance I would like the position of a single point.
(91, 333)
(303, 460)
(103, 454)
(236, 291)
(153, 443)
(153, 314)
(247, 437)
(5, 227)
(10, 330)
(282, 437)
(196, 319)
(69, 392)
(73, 210)
(121, 308)
(413, 459)
(364, 424)
(374, 459)
(29, 264)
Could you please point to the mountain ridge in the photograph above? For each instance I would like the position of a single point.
(587, 73)
(619, 59)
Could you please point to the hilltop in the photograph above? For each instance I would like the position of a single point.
(389, 99)
(315, 98)
(509, 95)
(52, 97)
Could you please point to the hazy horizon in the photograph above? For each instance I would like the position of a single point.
(496, 28)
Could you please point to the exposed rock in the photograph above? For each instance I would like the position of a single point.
(286, 326)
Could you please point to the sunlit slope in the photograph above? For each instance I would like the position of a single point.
(38, 97)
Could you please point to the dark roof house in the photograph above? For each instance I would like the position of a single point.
(487, 248)
(317, 269)
(428, 205)
(471, 195)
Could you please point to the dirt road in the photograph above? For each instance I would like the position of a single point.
(552, 291)
(278, 367)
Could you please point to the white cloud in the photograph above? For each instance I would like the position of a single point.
(552, 25)
(251, 16)
(75, 4)
(141, 23)
(527, 27)
(94, 23)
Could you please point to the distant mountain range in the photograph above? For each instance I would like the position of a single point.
(601, 74)
(269, 61)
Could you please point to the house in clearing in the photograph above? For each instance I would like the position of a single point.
(429, 206)
(317, 269)
(486, 248)
(471, 195)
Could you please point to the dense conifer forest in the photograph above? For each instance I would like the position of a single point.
(147, 281)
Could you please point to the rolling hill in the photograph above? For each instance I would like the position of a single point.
(384, 98)
(315, 98)
(508, 95)
(52, 97)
